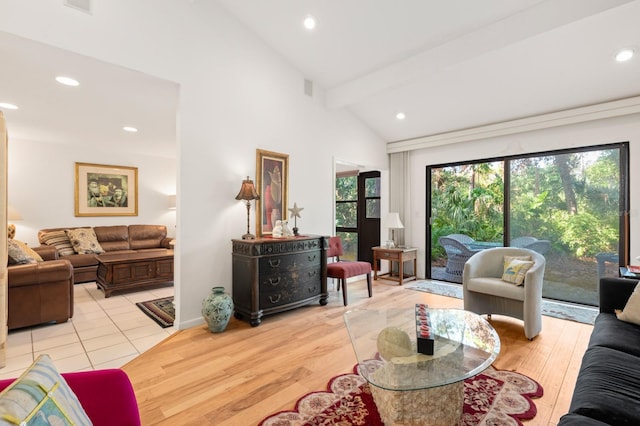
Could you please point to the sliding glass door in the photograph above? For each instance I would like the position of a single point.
(568, 205)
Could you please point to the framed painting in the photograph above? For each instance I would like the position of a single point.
(103, 190)
(272, 178)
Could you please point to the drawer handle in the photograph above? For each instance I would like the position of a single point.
(311, 257)
(277, 299)
(312, 273)
(312, 290)
(274, 263)
(274, 281)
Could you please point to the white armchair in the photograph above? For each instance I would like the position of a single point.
(485, 292)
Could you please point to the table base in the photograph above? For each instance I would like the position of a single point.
(440, 406)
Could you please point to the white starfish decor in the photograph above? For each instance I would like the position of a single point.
(295, 213)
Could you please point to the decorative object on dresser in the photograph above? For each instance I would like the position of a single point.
(295, 213)
(272, 177)
(217, 308)
(103, 190)
(275, 275)
(248, 193)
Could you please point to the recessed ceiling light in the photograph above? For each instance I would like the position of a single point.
(67, 81)
(310, 22)
(129, 129)
(624, 55)
(401, 116)
(6, 105)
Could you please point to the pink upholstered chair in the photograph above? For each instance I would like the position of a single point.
(343, 269)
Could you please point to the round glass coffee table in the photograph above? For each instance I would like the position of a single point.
(413, 388)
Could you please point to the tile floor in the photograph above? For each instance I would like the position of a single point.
(103, 333)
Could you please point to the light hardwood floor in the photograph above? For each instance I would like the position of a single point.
(240, 376)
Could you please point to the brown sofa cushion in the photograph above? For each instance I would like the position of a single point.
(146, 236)
(113, 238)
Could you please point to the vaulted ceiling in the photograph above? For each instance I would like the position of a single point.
(454, 64)
(447, 65)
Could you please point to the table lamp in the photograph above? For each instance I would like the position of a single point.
(393, 223)
(248, 193)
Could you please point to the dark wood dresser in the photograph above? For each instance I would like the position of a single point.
(272, 275)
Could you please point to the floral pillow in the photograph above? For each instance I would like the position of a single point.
(515, 269)
(84, 241)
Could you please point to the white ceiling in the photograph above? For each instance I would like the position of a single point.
(91, 114)
(453, 64)
(447, 65)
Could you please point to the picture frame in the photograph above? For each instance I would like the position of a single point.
(105, 190)
(272, 205)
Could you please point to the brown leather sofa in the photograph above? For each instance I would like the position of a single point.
(120, 239)
(40, 292)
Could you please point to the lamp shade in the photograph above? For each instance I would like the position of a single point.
(12, 213)
(247, 191)
(393, 221)
(172, 202)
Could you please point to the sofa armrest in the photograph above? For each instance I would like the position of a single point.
(106, 396)
(39, 273)
(47, 252)
(614, 293)
(166, 243)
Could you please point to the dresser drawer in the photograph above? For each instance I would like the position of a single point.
(281, 264)
(283, 289)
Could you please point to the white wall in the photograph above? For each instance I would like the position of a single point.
(41, 187)
(620, 129)
(236, 95)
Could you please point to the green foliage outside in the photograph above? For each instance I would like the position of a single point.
(571, 200)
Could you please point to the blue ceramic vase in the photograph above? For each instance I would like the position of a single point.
(217, 309)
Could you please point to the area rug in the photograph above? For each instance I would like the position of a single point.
(160, 310)
(567, 311)
(494, 397)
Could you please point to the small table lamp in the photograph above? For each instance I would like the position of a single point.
(393, 223)
(248, 193)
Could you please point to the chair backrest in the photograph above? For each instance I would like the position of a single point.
(335, 247)
(453, 246)
(491, 261)
(463, 238)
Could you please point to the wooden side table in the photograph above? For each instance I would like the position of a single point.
(399, 255)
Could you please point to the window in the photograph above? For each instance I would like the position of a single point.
(569, 205)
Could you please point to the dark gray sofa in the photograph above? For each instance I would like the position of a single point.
(607, 390)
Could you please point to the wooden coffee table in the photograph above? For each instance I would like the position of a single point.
(134, 270)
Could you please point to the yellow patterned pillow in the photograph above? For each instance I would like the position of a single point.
(515, 268)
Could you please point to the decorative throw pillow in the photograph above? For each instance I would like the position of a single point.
(515, 269)
(19, 253)
(11, 231)
(84, 241)
(59, 240)
(631, 312)
(41, 396)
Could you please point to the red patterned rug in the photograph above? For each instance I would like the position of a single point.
(493, 397)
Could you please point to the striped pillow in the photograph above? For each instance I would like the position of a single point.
(59, 240)
(40, 394)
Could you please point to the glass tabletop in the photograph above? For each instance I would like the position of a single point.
(386, 342)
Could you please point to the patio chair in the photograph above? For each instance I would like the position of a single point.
(457, 254)
(484, 291)
(532, 243)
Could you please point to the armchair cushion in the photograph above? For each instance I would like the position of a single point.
(20, 253)
(41, 392)
(515, 269)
